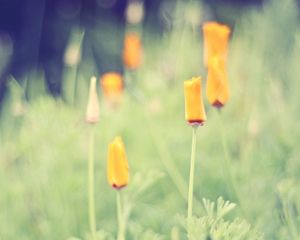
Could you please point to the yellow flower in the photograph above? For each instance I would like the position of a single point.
(92, 111)
(117, 165)
(112, 85)
(194, 108)
(217, 89)
(132, 52)
(216, 37)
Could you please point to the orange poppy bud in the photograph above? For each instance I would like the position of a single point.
(132, 52)
(216, 37)
(217, 89)
(117, 165)
(92, 111)
(112, 85)
(194, 108)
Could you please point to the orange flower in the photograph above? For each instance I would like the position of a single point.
(216, 37)
(117, 165)
(92, 111)
(132, 52)
(194, 108)
(217, 89)
(112, 85)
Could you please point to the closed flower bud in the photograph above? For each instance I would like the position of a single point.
(132, 52)
(216, 37)
(92, 111)
(112, 86)
(217, 89)
(194, 108)
(117, 165)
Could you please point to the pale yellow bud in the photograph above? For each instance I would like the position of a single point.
(92, 111)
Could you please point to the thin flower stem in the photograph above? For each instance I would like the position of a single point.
(226, 162)
(192, 171)
(120, 213)
(91, 194)
(166, 159)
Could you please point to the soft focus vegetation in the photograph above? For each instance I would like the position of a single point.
(44, 142)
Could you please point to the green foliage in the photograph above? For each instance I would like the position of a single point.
(213, 226)
(138, 232)
(289, 205)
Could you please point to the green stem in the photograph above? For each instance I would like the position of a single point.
(289, 220)
(226, 160)
(166, 159)
(91, 194)
(120, 213)
(192, 171)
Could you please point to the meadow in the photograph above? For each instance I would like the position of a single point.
(248, 155)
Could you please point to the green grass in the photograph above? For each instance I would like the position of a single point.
(43, 148)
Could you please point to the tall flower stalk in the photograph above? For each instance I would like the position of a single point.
(92, 117)
(195, 117)
(192, 173)
(216, 39)
(118, 178)
(121, 218)
(91, 192)
(226, 163)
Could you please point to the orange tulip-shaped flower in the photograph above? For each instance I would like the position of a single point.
(216, 37)
(217, 89)
(117, 166)
(112, 85)
(92, 111)
(132, 52)
(194, 108)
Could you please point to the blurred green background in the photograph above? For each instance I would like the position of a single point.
(44, 141)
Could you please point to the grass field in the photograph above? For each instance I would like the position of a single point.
(249, 154)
